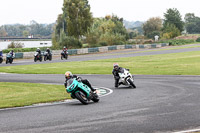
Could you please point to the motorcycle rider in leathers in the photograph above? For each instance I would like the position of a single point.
(69, 75)
(115, 72)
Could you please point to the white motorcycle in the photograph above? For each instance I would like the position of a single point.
(126, 78)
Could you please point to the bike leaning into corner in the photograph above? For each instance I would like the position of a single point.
(80, 91)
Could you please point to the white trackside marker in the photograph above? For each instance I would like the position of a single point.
(188, 131)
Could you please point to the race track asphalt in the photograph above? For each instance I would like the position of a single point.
(158, 104)
(108, 55)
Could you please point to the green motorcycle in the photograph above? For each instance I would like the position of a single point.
(80, 91)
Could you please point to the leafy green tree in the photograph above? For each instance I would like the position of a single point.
(173, 16)
(192, 23)
(25, 33)
(152, 27)
(170, 31)
(17, 30)
(107, 31)
(78, 18)
(3, 32)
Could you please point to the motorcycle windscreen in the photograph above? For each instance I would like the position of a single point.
(69, 82)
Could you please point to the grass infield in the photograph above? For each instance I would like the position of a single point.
(24, 94)
(186, 63)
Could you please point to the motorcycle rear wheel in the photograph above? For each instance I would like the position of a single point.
(81, 97)
(95, 98)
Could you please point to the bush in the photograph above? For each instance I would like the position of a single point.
(103, 43)
(24, 49)
(178, 42)
(198, 39)
(70, 42)
(112, 39)
(153, 34)
(15, 45)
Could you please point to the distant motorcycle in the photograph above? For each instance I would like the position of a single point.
(64, 55)
(47, 56)
(1, 59)
(81, 91)
(126, 78)
(9, 58)
(37, 56)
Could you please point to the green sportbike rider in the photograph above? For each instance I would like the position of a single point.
(80, 89)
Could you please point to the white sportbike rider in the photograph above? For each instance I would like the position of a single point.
(122, 76)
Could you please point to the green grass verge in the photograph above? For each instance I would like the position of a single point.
(23, 94)
(186, 63)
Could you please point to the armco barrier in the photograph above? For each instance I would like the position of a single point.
(97, 49)
(164, 44)
(128, 46)
(93, 50)
(112, 47)
(120, 46)
(19, 55)
(141, 46)
(72, 51)
(153, 45)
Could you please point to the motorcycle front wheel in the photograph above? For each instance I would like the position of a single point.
(45, 58)
(1, 60)
(35, 59)
(131, 83)
(81, 97)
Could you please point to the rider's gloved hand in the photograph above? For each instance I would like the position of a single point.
(79, 79)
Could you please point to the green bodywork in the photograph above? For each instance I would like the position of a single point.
(74, 86)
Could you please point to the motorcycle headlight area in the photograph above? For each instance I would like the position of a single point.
(71, 88)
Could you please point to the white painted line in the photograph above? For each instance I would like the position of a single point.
(55, 103)
(188, 131)
(110, 91)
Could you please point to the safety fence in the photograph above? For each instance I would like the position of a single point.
(96, 49)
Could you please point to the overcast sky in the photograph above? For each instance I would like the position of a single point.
(46, 11)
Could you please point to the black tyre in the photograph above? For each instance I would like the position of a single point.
(66, 56)
(61, 57)
(1, 60)
(50, 57)
(45, 58)
(40, 59)
(6, 61)
(95, 98)
(35, 59)
(131, 83)
(81, 97)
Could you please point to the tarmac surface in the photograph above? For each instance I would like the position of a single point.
(159, 104)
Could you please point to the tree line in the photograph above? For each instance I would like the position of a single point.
(20, 30)
(172, 25)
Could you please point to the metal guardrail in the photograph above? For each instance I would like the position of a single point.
(93, 50)
(141, 46)
(72, 51)
(19, 55)
(112, 48)
(128, 46)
